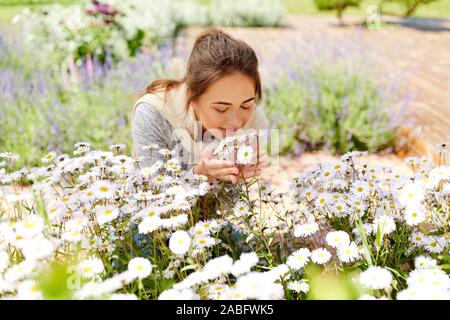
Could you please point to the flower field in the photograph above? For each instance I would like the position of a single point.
(81, 218)
(108, 229)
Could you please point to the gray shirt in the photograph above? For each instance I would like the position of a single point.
(149, 126)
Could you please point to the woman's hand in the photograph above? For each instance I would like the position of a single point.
(250, 171)
(216, 169)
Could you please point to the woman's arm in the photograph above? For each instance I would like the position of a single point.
(148, 126)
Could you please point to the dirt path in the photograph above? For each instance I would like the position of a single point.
(419, 56)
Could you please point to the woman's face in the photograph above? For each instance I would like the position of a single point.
(226, 105)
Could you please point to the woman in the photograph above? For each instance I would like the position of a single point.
(217, 97)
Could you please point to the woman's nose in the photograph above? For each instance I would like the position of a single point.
(235, 121)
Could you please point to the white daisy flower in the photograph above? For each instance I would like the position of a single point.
(180, 242)
(323, 199)
(439, 173)
(151, 146)
(305, 230)
(37, 248)
(340, 209)
(423, 262)
(245, 155)
(337, 239)
(418, 238)
(360, 189)
(139, 267)
(414, 215)
(348, 253)
(106, 214)
(241, 209)
(90, 267)
(204, 242)
(29, 227)
(71, 236)
(411, 194)
(29, 290)
(320, 256)
(49, 157)
(148, 171)
(19, 271)
(298, 259)
(245, 263)
(298, 286)
(435, 244)
(103, 189)
(149, 224)
(376, 278)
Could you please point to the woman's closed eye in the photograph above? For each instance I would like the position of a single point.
(247, 107)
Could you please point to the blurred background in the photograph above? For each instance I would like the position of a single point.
(338, 75)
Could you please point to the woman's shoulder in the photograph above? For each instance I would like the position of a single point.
(146, 113)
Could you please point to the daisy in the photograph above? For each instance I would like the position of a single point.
(414, 215)
(139, 267)
(435, 244)
(117, 147)
(106, 214)
(90, 267)
(49, 157)
(245, 155)
(245, 263)
(376, 278)
(440, 173)
(411, 194)
(204, 242)
(148, 171)
(37, 248)
(418, 238)
(71, 236)
(9, 156)
(305, 230)
(348, 253)
(298, 286)
(19, 271)
(151, 146)
(323, 199)
(298, 259)
(360, 189)
(103, 189)
(180, 242)
(340, 209)
(30, 227)
(423, 262)
(166, 152)
(29, 290)
(149, 224)
(149, 212)
(241, 209)
(320, 256)
(337, 239)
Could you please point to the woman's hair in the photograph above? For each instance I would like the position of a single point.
(215, 54)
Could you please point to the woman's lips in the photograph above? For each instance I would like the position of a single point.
(229, 132)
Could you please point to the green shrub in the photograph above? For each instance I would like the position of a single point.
(410, 6)
(336, 5)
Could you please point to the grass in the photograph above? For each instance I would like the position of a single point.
(438, 9)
